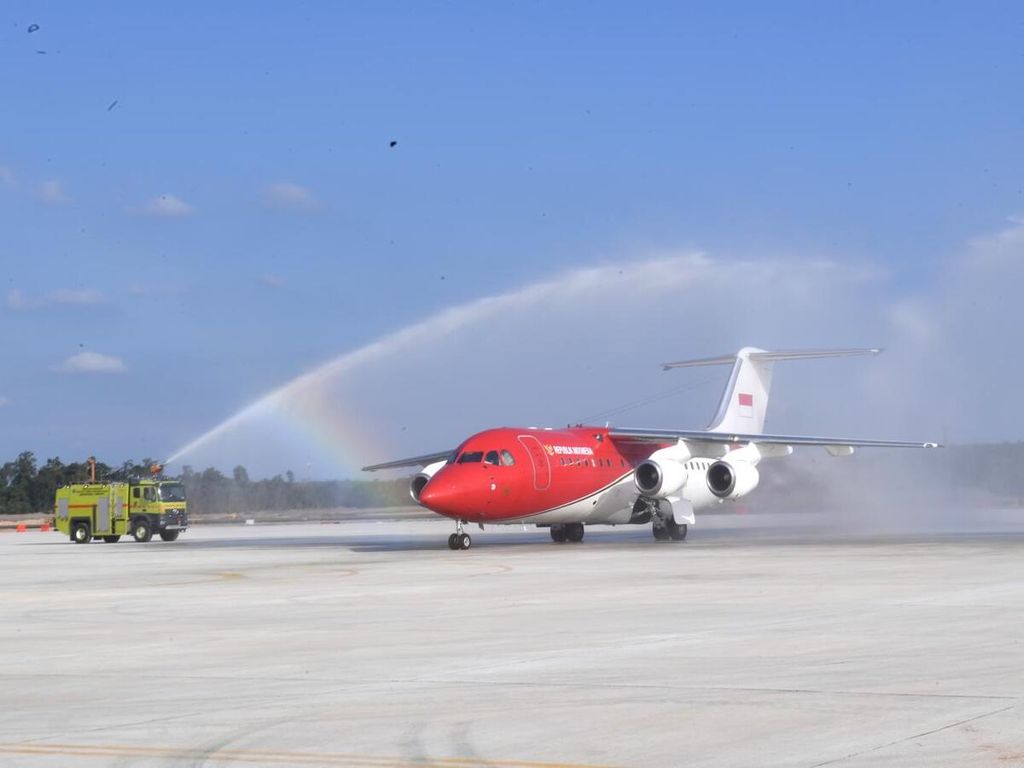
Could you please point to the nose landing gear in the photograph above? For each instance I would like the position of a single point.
(460, 539)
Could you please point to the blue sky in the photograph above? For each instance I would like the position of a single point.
(238, 216)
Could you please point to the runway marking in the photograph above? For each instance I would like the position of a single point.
(486, 569)
(697, 688)
(275, 758)
(915, 736)
(214, 577)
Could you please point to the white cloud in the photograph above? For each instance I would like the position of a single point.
(16, 300)
(167, 206)
(272, 281)
(67, 297)
(286, 195)
(52, 193)
(85, 297)
(91, 362)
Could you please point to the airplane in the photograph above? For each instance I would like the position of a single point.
(567, 479)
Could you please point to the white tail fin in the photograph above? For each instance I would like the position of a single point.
(744, 402)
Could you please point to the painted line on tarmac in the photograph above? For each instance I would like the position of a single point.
(274, 758)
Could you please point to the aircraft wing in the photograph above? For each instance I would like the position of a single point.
(671, 435)
(415, 461)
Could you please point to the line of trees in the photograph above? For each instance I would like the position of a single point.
(26, 487)
(993, 470)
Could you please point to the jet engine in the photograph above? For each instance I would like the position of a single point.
(732, 479)
(659, 479)
(419, 482)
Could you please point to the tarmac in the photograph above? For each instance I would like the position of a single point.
(758, 642)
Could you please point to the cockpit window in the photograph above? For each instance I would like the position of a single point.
(491, 458)
(471, 457)
(507, 459)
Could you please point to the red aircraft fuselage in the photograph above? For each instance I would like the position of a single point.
(507, 474)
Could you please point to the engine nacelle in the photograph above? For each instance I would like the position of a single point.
(659, 479)
(419, 482)
(732, 479)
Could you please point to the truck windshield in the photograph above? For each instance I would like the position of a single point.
(172, 492)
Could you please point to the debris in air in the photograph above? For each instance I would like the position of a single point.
(112, 105)
(392, 143)
(32, 28)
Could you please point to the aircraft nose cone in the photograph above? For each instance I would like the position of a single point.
(439, 496)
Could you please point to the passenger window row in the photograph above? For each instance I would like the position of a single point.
(580, 462)
(504, 458)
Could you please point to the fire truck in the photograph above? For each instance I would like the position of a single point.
(108, 511)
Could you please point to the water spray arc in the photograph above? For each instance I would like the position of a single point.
(575, 286)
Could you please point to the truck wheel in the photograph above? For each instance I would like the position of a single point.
(142, 531)
(81, 532)
(169, 535)
(111, 539)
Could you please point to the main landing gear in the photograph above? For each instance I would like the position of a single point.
(667, 529)
(460, 539)
(572, 532)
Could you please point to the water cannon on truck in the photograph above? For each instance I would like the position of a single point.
(109, 510)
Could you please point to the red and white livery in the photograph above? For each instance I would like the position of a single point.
(566, 479)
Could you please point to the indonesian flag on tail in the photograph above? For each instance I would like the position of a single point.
(746, 405)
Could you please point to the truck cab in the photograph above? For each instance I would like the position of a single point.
(108, 511)
(157, 506)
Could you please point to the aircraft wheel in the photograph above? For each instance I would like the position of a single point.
(81, 533)
(675, 531)
(558, 534)
(465, 542)
(453, 541)
(111, 539)
(142, 531)
(660, 533)
(574, 532)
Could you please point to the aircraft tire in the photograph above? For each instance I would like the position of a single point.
(465, 542)
(111, 539)
(660, 533)
(142, 531)
(453, 541)
(81, 532)
(574, 532)
(558, 534)
(675, 531)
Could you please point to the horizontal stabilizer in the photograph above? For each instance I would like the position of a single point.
(782, 354)
(744, 404)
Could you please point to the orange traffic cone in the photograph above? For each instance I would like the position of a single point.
(44, 527)
(21, 528)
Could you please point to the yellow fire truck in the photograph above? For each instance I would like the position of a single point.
(108, 511)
